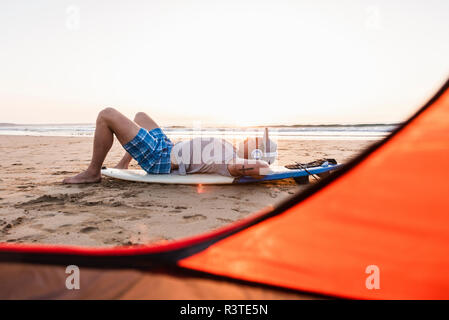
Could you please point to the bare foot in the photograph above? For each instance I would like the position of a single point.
(83, 177)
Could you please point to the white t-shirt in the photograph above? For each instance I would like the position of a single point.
(203, 155)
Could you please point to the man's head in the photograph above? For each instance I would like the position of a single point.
(258, 148)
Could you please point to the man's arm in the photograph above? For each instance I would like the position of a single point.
(243, 167)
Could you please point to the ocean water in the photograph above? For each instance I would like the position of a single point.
(308, 132)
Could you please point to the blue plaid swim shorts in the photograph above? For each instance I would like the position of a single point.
(151, 149)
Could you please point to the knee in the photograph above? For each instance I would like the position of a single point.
(107, 113)
(140, 115)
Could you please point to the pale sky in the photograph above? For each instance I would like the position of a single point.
(221, 62)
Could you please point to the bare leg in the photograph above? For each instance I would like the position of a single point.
(143, 120)
(109, 122)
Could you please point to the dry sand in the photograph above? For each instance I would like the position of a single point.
(36, 208)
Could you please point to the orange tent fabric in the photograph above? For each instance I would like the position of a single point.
(391, 210)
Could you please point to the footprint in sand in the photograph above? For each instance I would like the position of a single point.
(92, 203)
(54, 199)
(12, 224)
(178, 209)
(57, 173)
(89, 229)
(70, 213)
(130, 194)
(225, 220)
(143, 204)
(195, 217)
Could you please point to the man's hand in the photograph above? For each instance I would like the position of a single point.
(243, 167)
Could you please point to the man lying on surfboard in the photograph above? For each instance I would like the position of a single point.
(145, 141)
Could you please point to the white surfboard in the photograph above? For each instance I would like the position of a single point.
(275, 173)
(172, 178)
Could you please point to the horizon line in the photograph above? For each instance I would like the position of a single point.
(6, 124)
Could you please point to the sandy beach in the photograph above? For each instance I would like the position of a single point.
(35, 207)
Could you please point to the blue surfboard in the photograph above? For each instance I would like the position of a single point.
(279, 173)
